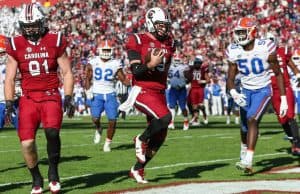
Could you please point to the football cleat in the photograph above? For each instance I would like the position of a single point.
(140, 149)
(106, 147)
(227, 121)
(36, 190)
(97, 137)
(186, 125)
(195, 123)
(171, 126)
(244, 166)
(54, 187)
(138, 175)
(295, 150)
(205, 121)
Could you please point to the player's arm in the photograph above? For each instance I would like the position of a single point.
(232, 71)
(295, 70)
(89, 76)
(68, 80)
(121, 76)
(10, 75)
(274, 65)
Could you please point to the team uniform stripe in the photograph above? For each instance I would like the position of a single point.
(146, 109)
(137, 38)
(272, 49)
(262, 107)
(58, 42)
(12, 43)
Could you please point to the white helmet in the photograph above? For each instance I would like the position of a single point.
(32, 22)
(157, 16)
(296, 57)
(105, 49)
(245, 31)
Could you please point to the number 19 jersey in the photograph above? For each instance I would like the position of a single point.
(104, 74)
(253, 65)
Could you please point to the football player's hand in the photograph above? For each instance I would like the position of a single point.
(156, 58)
(9, 110)
(283, 106)
(239, 99)
(69, 107)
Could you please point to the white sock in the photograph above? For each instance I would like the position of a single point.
(249, 156)
(172, 110)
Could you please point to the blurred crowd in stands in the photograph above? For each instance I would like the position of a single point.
(201, 27)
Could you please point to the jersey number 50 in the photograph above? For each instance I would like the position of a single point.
(255, 66)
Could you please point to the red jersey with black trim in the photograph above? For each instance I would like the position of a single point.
(198, 75)
(283, 56)
(38, 63)
(143, 43)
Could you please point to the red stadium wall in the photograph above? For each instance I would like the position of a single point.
(17, 3)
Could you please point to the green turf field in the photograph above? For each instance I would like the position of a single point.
(206, 153)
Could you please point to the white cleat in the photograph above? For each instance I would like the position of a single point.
(185, 125)
(54, 187)
(106, 147)
(244, 166)
(140, 150)
(36, 190)
(171, 126)
(205, 121)
(228, 121)
(195, 123)
(138, 175)
(97, 137)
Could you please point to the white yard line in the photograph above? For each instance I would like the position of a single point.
(156, 167)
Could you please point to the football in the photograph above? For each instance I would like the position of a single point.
(148, 55)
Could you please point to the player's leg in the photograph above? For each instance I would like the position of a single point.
(154, 106)
(97, 107)
(2, 115)
(28, 124)
(51, 118)
(194, 100)
(254, 114)
(289, 122)
(182, 104)
(172, 101)
(201, 105)
(111, 108)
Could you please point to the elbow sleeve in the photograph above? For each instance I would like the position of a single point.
(138, 70)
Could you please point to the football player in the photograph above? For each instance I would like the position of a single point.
(199, 78)
(178, 92)
(100, 75)
(287, 122)
(38, 53)
(255, 59)
(149, 80)
(3, 59)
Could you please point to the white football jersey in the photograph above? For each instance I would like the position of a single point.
(2, 78)
(253, 65)
(78, 91)
(176, 76)
(104, 74)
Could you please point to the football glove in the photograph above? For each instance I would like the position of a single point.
(239, 99)
(9, 110)
(69, 107)
(283, 106)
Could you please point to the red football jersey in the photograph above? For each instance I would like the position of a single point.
(143, 43)
(283, 56)
(198, 75)
(38, 63)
